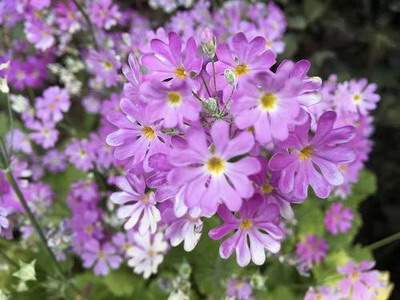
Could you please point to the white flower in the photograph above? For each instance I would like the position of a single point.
(147, 253)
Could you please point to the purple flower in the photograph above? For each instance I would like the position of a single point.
(312, 250)
(104, 13)
(124, 242)
(54, 161)
(137, 137)
(359, 282)
(206, 173)
(147, 254)
(170, 61)
(356, 96)
(174, 104)
(102, 257)
(78, 154)
(43, 133)
(4, 223)
(271, 101)
(321, 293)
(53, 104)
(256, 229)
(132, 72)
(19, 141)
(67, 16)
(313, 159)
(137, 204)
(239, 290)
(39, 33)
(105, 66)
(338, 219)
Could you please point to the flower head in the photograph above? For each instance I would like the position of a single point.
(312, 250)
(338, 219)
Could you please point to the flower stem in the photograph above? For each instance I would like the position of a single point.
(383, 242)
(32, 218)
(88, 22)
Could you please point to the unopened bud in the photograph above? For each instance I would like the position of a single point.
(208, 42)
(210, 105)
(230, 76)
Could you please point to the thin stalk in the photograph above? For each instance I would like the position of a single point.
(11, 117)
(32, 218)
(215, 80)
(88, 22)
(8, 259)
(205, 84)
(384, 242)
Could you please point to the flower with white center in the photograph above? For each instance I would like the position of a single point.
(147, 253)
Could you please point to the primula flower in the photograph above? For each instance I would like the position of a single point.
(53, 104)
(239, 290)
(356, 96)
(78, 154)
(206, 173)
(124, 242)
(4, 223)
(244, 58)
(137, 204)
(271, 102)
(360, 281)
(255, 230)
(313, 159)
(171, 61)
(137, 137)
(19, 141)
(39, 33)
(104, 65)
(338, 219)
(67, 16)
(104, 13)
(43, 133)
(147, 253)
(102, 257)
(321, 293)
(54, 161)
(173, 104)
(312, 250)
(132, 72)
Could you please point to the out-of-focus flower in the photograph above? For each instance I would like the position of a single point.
(312, 250)
(338, 219)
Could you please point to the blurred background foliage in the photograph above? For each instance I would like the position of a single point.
(361, 38)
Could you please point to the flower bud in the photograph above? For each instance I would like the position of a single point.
(210, 105)
(208, 42)
(230, 76)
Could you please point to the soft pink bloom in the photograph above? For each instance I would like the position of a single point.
(338, 219)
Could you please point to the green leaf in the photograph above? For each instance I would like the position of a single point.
(314, 9)
(122, 282)
(26, 271)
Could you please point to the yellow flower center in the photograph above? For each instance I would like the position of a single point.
(174, 98)
(246, 224)
(149, 133)
(216, 165)
(306, 153)
(357, 98)
(180, 72)
(266, 188)
(241, 69)
(268, 102)
(107, 65)
(101, 255)
(355, 276)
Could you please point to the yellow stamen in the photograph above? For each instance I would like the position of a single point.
(306, 153)
(216, 165)
(266, 188)
(107, 65)
(268, 102)
(180, 72)
(149, 133)
(241, 69)
(246, 224)
(357, 98)
(174, 98)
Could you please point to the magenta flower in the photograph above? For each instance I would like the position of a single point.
(312, 250)
(39, 33)
(338, 219)
(173, 104)
(313, 159)
(132, 72)
(137, 137)
(271, 102)
(54, 161)
(171, 61)
(205, 172)
(359, 282)
(245, 58)
(78, 154)
(53, 104)
(43, 133)
(102, 257)
(256, 229)
(138, 205)
(321, 293)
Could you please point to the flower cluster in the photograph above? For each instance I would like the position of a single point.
(152, 132)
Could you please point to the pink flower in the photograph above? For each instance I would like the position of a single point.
(137, 137)
(53, 104)
(205, 173)
(102, 257)
(313, 159)
(256, 229)
(312, 250)
(104, 13)
(138, 205)
(173, 104)
(338, 219)
(360, 281)
(169, 61)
